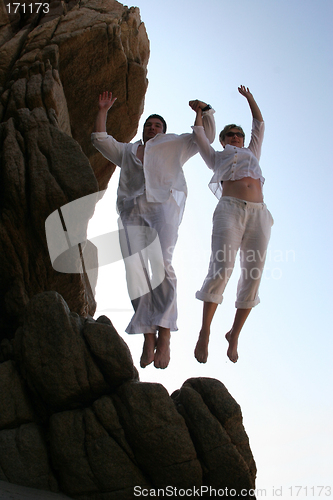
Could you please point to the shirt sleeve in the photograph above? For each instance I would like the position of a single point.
(205, 149)
(108, 146)
(257, 136)
(209, 124)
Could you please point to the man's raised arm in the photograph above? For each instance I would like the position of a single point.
(205, 118)
(104, 104)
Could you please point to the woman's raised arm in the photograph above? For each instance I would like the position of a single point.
(256, 113)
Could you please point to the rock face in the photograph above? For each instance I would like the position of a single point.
(77, 420)
(53, 66)
(74, 417)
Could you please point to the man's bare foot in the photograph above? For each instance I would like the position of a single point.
(162, 354)
(232, 349)
(148, 350)
(201, 349)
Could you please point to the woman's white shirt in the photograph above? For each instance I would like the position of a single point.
(232, 163)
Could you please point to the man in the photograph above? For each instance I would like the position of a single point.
(150, 200)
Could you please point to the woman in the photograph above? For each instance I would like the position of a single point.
(241, 221)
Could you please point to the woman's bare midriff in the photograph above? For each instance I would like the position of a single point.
(247, 189)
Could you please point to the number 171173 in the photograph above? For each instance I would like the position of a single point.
(30, 8)
(311, 491)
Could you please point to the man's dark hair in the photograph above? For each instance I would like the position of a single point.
(159, 117)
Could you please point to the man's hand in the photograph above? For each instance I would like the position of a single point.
(106, 101)
(196, 105)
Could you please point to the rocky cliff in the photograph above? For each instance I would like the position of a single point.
(74, 417)
(53, 65)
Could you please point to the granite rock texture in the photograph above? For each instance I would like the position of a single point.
(78, 421)
(53, 65)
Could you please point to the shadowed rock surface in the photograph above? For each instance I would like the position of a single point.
(78, 420)
(53, 66)
(74, 417)
(10, 491)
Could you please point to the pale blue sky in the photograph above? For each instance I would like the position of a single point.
(282, 50)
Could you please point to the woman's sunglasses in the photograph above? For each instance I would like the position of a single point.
(231, 134)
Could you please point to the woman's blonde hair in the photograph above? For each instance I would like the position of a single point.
(227, 128)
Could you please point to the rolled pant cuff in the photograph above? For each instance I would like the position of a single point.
(248, 304)
(209, 297)
(150, 329)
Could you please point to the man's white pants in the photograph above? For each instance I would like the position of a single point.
(244, 226)
(148, 235)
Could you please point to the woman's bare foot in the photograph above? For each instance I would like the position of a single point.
(201, 349)
(148, 351)
(232, 336)
(162, 354)
(232, 349)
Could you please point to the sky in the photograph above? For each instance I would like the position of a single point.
(281, 50)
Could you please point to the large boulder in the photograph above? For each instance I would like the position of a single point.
(53, 65)
(63, 57)
(79, 421)
(40, 165)
(79, 368)
(24, 457)
(222, 443)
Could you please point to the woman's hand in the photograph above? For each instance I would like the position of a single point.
(245, 92)
(105, 101)
(197, 105)
(256, 113)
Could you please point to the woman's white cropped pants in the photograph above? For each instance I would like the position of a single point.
(242, 226)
